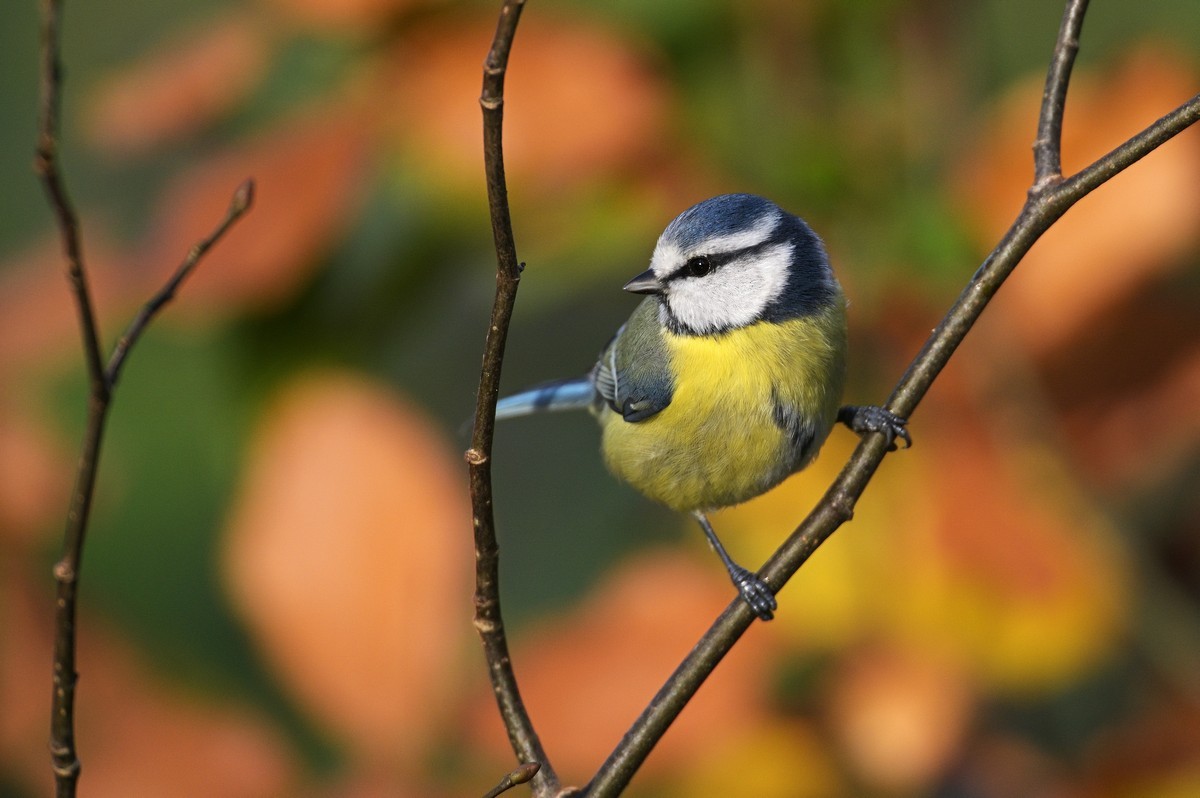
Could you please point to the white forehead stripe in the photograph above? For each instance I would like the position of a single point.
(669, 256)
(743, 239)
(734, 295)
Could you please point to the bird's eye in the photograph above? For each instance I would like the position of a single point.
(699, 266)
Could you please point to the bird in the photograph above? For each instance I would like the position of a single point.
(728, 377)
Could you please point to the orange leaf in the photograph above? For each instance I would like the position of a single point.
(579, 102)
(900, 715)
(35, 474)
(179, 87)
(136, 736)
(1127, 233)
(38, 322)
(1016, 574)
(363, 16)
(348, 556)
(26, 618)
(308, 175)
(585, 677)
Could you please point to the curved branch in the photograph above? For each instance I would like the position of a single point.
(46, 166)
(1046, 203)
(488, 619)
(64, 757)
(242, 199)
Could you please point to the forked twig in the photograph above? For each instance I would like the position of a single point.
(101, 380)
(1047, 201)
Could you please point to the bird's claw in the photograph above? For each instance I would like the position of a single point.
(756, 593)
(867, 419)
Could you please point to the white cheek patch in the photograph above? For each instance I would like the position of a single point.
(735, 294)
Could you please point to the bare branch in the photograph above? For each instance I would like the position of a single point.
(488, 619)
(46, 165)
(1046, 203)
(1133, 150)
(242, 199)
(64, 757)
(64, 760)
(1047, 148)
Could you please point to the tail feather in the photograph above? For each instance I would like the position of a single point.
(572, 394)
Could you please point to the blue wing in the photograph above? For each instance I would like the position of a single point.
(570, 394)
(633, 375)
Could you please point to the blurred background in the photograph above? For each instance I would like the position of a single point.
(276, 588)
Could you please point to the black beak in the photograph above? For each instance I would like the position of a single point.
(644, 283)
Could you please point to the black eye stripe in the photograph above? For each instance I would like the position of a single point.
(717, 260)
(690, 267)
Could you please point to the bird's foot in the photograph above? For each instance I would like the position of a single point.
(867, 419)
(756, 593)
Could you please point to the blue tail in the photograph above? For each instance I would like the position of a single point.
(574, 394)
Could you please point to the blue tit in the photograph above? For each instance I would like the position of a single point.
(728, 377)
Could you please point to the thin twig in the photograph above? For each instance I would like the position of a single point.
(46, 165)
(1135, 149)
(64, 760)
(519, 775)
(1045, 205)
(242, 199)
(63, 753)
(488, 619)
(1047, 148)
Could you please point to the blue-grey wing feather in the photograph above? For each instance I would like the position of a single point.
(604, 373)
(549, 397)
(633, 375)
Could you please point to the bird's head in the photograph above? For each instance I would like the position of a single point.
(734, 260)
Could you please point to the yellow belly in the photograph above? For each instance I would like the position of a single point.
(718, 442)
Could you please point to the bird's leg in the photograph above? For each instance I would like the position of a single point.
(755, 591)
(866, 419)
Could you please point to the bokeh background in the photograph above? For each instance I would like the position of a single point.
(276, 590)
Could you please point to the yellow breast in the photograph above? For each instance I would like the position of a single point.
(718, 443)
